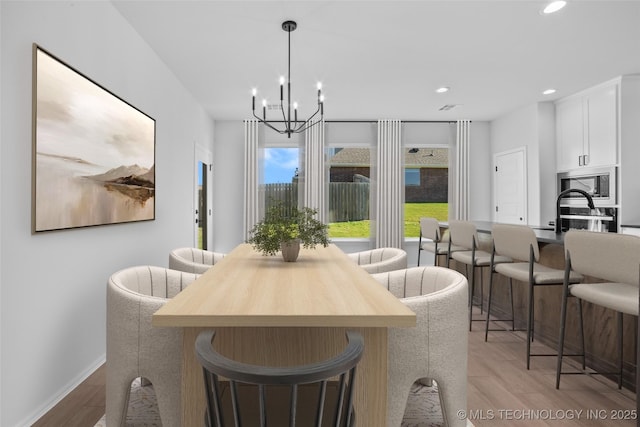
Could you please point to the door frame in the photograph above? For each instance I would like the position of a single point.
(525, 188)
(204, 155)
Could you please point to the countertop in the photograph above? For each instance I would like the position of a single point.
(545, 234)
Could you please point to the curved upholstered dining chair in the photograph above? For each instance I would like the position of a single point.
(437, 347)
(193, 260)
(135, 349)
(381, 259)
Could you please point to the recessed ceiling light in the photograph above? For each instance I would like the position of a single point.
(554, 6)
(442, 89)
(549, 91)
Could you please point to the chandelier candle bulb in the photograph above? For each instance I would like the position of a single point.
(281, 88)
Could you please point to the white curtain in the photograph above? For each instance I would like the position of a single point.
(253, 205)
(389, 186)
(313, 174)
(460, 174)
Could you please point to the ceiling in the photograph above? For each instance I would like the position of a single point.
(384, 59)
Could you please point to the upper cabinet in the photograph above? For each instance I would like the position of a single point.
(601, 127)
(587, 128)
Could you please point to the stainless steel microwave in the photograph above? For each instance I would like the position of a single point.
(599, 183)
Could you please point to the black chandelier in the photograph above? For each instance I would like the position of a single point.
(295, 125)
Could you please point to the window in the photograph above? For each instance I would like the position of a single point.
(281, 176)
(426, 186)
(349, 190)
(412, 177)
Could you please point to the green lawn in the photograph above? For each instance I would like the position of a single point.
(412, 214)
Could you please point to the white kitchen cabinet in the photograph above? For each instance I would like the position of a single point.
(602, 126)
(587, 128)
(569, 134)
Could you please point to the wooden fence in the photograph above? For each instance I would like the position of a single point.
(287, 193)
(348, 201)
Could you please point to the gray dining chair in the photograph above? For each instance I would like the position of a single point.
(315, 392)
(610, 263)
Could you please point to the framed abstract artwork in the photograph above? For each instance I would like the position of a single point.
(93, 153)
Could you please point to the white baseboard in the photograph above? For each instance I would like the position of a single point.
(64, 391)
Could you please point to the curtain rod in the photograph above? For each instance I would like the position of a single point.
(376, 121)
(403, 121)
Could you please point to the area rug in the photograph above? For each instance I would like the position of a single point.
(423, 408)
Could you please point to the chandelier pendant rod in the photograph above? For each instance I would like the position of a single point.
(289, 86)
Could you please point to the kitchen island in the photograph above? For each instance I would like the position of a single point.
(600, 324)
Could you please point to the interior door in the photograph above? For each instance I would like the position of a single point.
(202, 198)
(510, 186)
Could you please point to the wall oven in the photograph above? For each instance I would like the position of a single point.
(599, 183)
(583, 218)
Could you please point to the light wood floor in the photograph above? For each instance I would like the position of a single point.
(501, 391)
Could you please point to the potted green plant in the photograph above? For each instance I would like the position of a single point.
(284, 229)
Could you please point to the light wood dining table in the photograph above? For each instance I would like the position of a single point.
(270, 312)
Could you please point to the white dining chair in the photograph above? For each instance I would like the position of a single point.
(436, 349)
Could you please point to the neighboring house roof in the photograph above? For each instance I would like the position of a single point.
(424, 157)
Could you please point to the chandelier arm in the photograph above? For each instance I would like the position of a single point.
(284, 118)
(259, 119)
(266, 123)
(276, 129)
(301, 127)
(310, 125)
(307, 124)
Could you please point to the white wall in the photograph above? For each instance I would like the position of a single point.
(1, 137)
(533, 127)
(228, 185)
(53, 284)
(480, 186)
(547, 143)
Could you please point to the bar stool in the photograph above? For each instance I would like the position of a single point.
(464, 234)
(614, 258)
(430, 231)
(520, 243)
